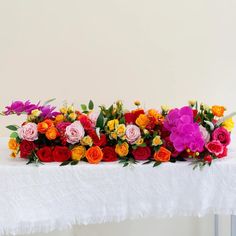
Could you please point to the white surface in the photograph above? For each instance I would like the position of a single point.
(49, 197)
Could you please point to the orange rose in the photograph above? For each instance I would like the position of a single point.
(44, 126)
(12, 144)
(218, 110)
(51, 133)
(122, 149)
(142, 121)
(94, 155)
(59, 118)
(162, 155)
(155, 114)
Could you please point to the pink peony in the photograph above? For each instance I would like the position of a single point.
(28, 132)
(132, 133)
(222, 135)
(215, 147)
(74, 132)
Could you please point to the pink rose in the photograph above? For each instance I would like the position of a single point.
(74, 132)
(205, 134)
(222, 135)
(93, 116)
(28, 132)
(132, 133)
(215, 147)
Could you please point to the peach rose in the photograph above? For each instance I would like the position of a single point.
(94, 155)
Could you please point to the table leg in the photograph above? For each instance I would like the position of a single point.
(233, 225)
(216, 225)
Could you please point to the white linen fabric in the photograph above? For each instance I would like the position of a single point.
(49, 197)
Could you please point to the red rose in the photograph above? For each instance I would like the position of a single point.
(129, 118)
(45, 154)
(109, 154)
(137, 112)
(151, 123)
(215, 147)
(224, 153)
(26, 148)
(208, 158)
(195, 113)
(85, 121)
(101, 142)
(141, 153)
(61, 154)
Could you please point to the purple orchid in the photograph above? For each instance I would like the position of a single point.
(19, 107)
(185, 133)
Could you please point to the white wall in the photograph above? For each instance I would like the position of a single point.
(157, 51)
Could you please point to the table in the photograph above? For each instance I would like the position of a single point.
(48, 197)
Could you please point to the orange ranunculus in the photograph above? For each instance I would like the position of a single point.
(12, 144)
(122, 149)
(51, 133)
(218, 110)
(142, 121)
(44, 126)
(162, 155)
(94, 155)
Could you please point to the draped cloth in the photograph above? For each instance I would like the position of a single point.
(38, 199)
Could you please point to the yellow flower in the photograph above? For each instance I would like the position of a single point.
(137, 103)
(70, 109)
(142, 121)
(87, 140)
(157, 141)
(218, 110)
(13, 154)
(113, 135)
(120, 130)
(63, 110)
(13, 145)
(122, 149)
(36, 112)
(192, 102)
(145, 131)
(165, 108)
(139, 141)
(78, 152)
(72, 116)
(112, 124)
(228, 124)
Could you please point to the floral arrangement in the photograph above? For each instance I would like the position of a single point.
(195, 132)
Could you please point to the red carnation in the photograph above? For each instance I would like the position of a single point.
(61, 154)
(45, 154)
(109, 154)
(26, 148)
(141, 153)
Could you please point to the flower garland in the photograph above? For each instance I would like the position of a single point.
(193, 132)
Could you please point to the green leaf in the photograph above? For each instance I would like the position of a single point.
(12, 127)
(74, 162)
(65, 163)
(147, 162)
(100, 121)
(126, 164)
(49, 101)
(14, 135)
(90, 105)
(157, 163)
(83, 107)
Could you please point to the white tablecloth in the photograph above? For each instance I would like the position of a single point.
(50, 197)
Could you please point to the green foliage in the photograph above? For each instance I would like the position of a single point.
(12, 127)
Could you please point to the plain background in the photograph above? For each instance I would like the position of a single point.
(158, 51)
